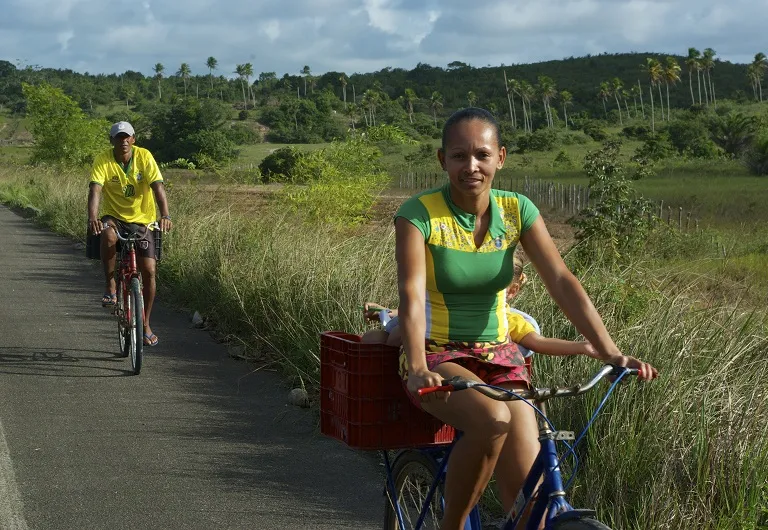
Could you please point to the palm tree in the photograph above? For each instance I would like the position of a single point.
(211, 63)
(371, 99)
(547, 91)
(653, 68)
(759, 65)
(353, 113)
(692, 62)
(567, 99)
(159, 69)
(510, 90)
(471, 98)
(708, 62)
(240, 71)
(527, 93)
(616, 87)
(410, 99)
(517, 88)
(435, 103)
(625, 99)
(343, 79)
(604, 94)
(184, 72)
(634, 92)
(306, 72)
(640, 92)
(247, 73)
(671, 75)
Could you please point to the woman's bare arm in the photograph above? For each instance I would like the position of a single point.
(411, 282)
(569, 294)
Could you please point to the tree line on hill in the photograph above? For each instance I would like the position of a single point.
(305, 108)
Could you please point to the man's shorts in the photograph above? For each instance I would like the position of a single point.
(145, 246)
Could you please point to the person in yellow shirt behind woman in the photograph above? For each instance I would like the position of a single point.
(127, 182)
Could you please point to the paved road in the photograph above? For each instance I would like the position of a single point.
(193, 442)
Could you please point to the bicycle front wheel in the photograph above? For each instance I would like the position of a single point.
(580, 524)
(413, 475)
(136, 328)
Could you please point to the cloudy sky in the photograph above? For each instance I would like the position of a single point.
(365, 35)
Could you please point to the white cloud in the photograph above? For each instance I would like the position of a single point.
(365, 35)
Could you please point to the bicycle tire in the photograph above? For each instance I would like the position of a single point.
(586, 523)
(121, 312)
(136, 317)
(414, 469)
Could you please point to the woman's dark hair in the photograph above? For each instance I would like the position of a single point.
(469, 114)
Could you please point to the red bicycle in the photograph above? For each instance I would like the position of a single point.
(130, 299)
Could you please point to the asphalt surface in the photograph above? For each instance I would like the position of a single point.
(198, 440)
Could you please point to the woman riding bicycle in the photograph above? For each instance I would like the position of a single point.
(459, 242)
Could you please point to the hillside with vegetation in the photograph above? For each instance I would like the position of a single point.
(282, 191)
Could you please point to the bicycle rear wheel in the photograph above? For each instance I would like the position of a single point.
(580, 524)
(413, 475)
(136, 328)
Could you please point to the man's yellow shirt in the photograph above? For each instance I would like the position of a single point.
(127, 195)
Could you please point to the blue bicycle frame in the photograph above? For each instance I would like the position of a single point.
(549, 501)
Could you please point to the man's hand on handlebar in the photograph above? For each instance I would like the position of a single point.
(165, 224)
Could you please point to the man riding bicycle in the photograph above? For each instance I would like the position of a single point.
(130, 182)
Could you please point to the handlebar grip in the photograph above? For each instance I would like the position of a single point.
(433, 389)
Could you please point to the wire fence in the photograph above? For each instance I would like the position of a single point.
(568, 199)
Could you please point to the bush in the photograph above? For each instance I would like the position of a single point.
(63, 133)
(241, 134)
(424, 155)
(562, 160)
(655, 148)
(343, 182)
(637, 132)
(179, 163)
(691, 138)
(279, 165)
(733, 132)
(211, 148)
(242, 115)
(539, 140)
(594, 131)
(756, 156)
(614, 228)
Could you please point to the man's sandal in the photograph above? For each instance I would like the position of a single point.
(109, 300)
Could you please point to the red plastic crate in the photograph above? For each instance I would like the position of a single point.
(363, 402)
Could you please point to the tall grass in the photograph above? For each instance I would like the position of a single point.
(689, 450)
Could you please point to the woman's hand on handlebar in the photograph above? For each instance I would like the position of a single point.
(646, 371)
(423, 379)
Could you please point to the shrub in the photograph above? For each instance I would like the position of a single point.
(638, 132)
(539, 140)
(279, 165)
(242, 115)
(343, 182)
(655, 148)
(733, 132)
(756, 156)
(211, 148)
(614, 228)
(594, 131)
(562, 160)
(179, 163)
(241, 134)
(691, 138)
(63, 133)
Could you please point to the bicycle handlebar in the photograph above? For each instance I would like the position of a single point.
(129, 237)
(455, 384)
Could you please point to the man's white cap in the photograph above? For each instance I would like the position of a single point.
(121, 127)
